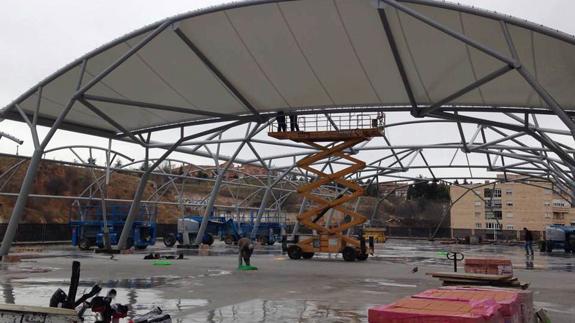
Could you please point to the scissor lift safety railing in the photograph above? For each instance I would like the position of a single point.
(328, 238)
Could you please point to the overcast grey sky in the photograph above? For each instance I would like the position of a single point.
(37, 37)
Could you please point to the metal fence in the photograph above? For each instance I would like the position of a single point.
(415, 232)
(32, 232)
(28, 232)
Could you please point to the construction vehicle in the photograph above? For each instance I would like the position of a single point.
(89, 225)
(223, 228)
(338, 135)
(377, 234)
(558, 237)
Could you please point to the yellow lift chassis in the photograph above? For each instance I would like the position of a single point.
(332, 239)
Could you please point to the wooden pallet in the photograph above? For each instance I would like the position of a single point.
(451, 279)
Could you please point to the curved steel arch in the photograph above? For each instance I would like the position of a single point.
(553, 159)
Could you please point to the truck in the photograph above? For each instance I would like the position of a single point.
(190, 225)
(559, 237)
(225, 229)
(88, 225)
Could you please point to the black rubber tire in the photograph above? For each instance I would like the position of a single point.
(84, 244)
(294, 252)
(229, 240)
(307, 255)
(349, 254)
(170, 240)
(271, 242)
(362, 256)
(542, 246)
(571, 243)
(264, 240)
(208, 239)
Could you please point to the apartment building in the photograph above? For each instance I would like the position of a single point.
(506, 208)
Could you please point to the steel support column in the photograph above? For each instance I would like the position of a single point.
(265, 201)
(134, 208)
(261, 211)
(217, 185)
(20, 205)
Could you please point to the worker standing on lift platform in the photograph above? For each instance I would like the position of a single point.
(293, 121)
(281, 120)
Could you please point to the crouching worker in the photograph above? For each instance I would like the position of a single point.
(246, 247)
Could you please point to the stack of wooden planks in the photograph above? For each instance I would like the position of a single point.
(462, 279)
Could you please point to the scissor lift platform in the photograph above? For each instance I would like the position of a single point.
(340, 139)
(323, 136)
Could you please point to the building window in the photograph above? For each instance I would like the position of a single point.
(509, 215)
(491, 215)
(477, 203)
(508, 192)
(496, 192)
(509, 227)
(492, 225)
(509, 203)
(559, 203)
(547, 215)
(493, 203)
(477, 214)
(547, 203)
(478, 225)
(558, 216)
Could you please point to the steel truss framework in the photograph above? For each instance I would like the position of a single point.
(512, 139)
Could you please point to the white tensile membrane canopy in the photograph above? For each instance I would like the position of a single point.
(265, 56)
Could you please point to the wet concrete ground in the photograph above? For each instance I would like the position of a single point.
(205, 287)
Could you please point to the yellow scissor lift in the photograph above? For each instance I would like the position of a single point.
(341, 137)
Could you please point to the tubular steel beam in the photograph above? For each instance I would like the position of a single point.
(122, 59)
(215, 70)
(134, 208)
(161, 107)
(8, 136)
(20, 205)
(397, 58)
(265, 199)
(216, 189)
(486, 79)
(541, 91)
(110, 120)
(461, 37)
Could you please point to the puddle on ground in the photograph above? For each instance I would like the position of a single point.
(140, 294)
(550, 307)
(282, 311)
(23, 268)
(150, 282)
(387, 282)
